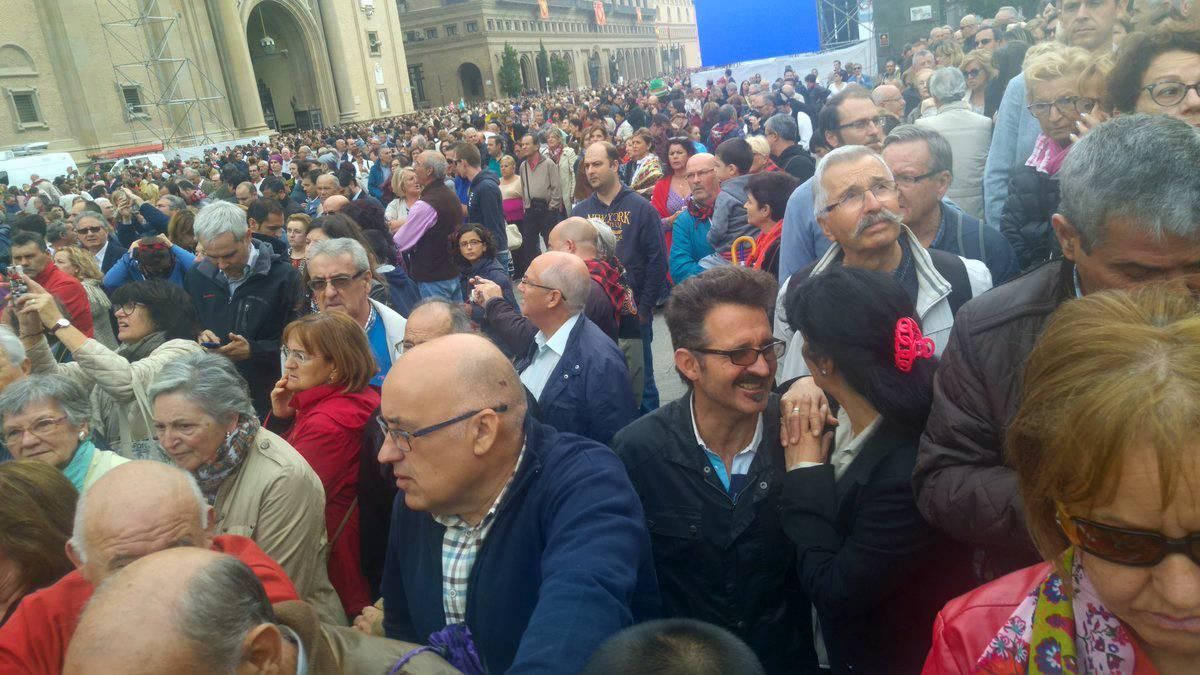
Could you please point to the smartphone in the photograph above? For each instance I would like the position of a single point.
(210, 345)
(16, 283)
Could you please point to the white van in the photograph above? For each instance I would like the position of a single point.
(16, 171)
(154, 159)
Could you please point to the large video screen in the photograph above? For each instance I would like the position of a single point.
(737, 30)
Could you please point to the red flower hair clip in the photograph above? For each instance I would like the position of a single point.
(910, 344)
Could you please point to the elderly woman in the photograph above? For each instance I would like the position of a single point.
(47, 418)
(156, 324)
(37, 515)
(969, 133)
(564, 157)
(1103, 445)
(1052, 85)
(766, 198)
(643, 168)
(978, 70)
(82, 265)
(407, 191)
(874, 570)
(762, 162)
(928, 106)
(1157, 73)
(259, 485)
(325, 395)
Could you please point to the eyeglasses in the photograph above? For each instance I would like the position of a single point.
(864, 124)
(40, 429)
(748, 356)
(974, 72)
(470, 243)
(403, 439)
(855, 200)
(88, 230)
(128, 308)
(525, 280)
(1168, 94)
(910, 181)
(696, 175)
(1124, 546)
(340, 282)
(1067, 105)
(300, 356)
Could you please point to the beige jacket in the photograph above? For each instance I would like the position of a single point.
(566, 176)
(102, 462)
(102, 326)
(542, 183)
(120, 408)
(970, 136)
(277, 500)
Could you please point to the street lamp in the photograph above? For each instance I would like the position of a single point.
(547, 84)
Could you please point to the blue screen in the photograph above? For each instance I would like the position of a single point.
(740, 30)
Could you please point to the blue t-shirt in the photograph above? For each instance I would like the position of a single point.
(377, 336)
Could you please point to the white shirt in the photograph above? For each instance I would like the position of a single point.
(550, 350)
(805, 127)
(100, 254)
(846, 445)
(233, 284)
(741, 461)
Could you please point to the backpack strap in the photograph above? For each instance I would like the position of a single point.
(954, 270)
(799, 276)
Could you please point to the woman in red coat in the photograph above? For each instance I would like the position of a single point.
(672, 190)
(325, 392)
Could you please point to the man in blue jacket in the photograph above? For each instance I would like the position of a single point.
(529, 541)
(485, 204)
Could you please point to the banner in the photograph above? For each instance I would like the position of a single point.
(601, 20)
(544, 9)
(639, 14)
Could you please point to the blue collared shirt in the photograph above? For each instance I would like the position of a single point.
(741, 461)
(550, 350)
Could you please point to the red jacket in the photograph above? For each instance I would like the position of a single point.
(35, 638)
(328, 432)
(70, 292)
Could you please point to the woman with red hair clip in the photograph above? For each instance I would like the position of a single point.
(874, 570)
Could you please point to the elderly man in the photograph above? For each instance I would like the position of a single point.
(433, 318)
(1082, 24)
(431, 221)
(922, 163)
(571, 368)
(969, 25)
(1121, 222)
(135, 509)
(379, 180)
(969, 133)
(244, 295)
(327, 186)
(857, 206)
(30, 252)
(888, 97)
(580, 238)
(786, 150)
(689, 240)
(541, 540)
(245, 193)
(190, 610)
(95, 236)
(543, 198)
(169, 204)
(709, 467)
(14, 365)
(339, 276)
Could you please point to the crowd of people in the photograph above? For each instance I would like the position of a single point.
(381, 398)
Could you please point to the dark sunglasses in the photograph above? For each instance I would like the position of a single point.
(974, 72)
(1123, 546)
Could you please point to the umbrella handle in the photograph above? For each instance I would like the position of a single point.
(737, 243)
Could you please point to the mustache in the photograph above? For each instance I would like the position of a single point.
(882, 216)
(753, 379)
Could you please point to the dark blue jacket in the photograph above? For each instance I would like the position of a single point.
(156, 224)
(112, 254)
(640, 244)
(493, 271)
(565, 565)
(486, 207)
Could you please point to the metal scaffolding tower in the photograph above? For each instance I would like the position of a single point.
(168, 96)
(840, 23)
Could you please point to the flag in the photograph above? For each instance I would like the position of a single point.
(639, 14)
(544, 9)
(601, 20)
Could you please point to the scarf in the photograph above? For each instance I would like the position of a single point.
(610, 280)
(1054, 631)
(764, 243)
(238, 444)
(76, 470)
(555, 153)
(700, 212)
(1047, 155)
(140, 349)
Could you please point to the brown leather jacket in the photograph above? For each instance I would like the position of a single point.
(962, 482)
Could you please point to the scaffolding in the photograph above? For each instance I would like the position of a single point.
(844, 22)
(169, 97)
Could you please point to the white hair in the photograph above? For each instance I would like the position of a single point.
(218, 218)
(842, 155)
(14, 351)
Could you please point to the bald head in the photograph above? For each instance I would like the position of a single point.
(702, 177)
(564, 272)
(133, 510)
(888, 97)
(433, 318)
(335, 203)
(487, 377)
(577, 236)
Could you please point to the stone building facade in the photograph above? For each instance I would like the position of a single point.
(93, 76)
(455, 47)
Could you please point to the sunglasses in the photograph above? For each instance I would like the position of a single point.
(1124, 546)
(974, 72)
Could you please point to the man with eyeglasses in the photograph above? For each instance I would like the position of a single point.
(857, 206)
(339, 277)
(1084, 23)
(528, 543)
(244, 295)
(709, 467)
(94, 235)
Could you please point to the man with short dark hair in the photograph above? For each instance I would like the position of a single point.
(543, 198)
(30, 252)
(274, 189)
(674, 647)
(709, 469)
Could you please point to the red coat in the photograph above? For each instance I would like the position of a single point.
(35, 638)
(328, 432)
(70, 292)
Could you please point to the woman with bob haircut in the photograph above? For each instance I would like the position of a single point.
(36, 518)
(325, 395)
(1104, 447)
(1157, 73)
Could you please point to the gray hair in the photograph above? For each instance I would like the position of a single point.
(941, 156)
(334, 248)
(56, 231)
(174, 202)
(460, 321)
(606, 239)
(435, 162)
(223, 602)
(218, 218)
(784, 126)
(1115, 172)
(68, 394)
(14, 351)
(79, 542)
(575, 288)
(210, 381)
(842, 155)
(947, 85)
(88, 214)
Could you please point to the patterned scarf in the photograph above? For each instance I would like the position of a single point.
(233, 452)
(611, 277)
(1047, 155)
(555, 153)
(1054, 631)
(700, 212)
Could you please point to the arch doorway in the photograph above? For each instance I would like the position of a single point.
(593, 66)
(569, 59)
(471, 80)
(528, 75)
(283, 68)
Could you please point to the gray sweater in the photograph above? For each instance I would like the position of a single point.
(729, 215)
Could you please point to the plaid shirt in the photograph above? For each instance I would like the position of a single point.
(460, 547)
